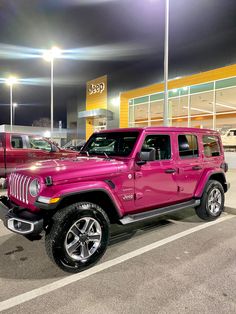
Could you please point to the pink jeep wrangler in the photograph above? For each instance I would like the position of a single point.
(121, 176)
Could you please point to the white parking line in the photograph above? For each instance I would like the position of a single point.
(19, 299)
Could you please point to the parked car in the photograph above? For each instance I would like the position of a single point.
(229, 138)
(122, 176)
(16, 149)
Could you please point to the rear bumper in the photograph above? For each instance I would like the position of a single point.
(19, 220)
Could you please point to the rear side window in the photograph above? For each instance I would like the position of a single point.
(232, 133)
(161, 143)
(211, 145)
(16, 141)
(188, 146)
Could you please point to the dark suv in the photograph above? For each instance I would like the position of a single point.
(121, 176)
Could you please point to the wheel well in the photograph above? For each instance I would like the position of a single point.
(220, 178)
(99, 198)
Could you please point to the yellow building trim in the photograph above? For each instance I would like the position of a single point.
(124, 111)
(96, 98)
(89, 128)
(199, 78)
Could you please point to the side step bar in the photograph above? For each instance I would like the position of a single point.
(157, 212)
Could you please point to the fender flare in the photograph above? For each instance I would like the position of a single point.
(45, 206)
(218, 175)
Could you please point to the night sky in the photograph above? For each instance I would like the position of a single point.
(123, 37)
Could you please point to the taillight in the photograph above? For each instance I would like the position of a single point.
(224, 166)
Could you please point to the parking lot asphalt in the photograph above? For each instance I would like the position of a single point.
(174, 264)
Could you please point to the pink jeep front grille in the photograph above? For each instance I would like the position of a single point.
(19, 187)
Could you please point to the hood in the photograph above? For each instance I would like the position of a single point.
(68, 151)
(72, 169)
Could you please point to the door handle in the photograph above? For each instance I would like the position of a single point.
(171, 170)
(196, 167)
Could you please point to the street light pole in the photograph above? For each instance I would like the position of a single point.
(14, 112)
(50, 55)
(166, 65)
(11, 105)
(10, 82)
(52, 97)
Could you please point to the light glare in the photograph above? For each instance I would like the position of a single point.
(115, 101)
(47, 134)
(52, 54)
(11, 80)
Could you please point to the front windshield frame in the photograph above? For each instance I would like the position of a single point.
(120, 138)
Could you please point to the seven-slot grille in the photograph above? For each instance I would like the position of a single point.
(19, 187)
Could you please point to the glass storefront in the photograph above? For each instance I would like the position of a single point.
(99, 124)
(209, 105)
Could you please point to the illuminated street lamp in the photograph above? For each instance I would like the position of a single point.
(10, 82)
(50, 55)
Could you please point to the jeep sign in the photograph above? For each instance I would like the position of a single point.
(96, 88)
(96, 93)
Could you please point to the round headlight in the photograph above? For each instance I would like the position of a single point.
(34, 187)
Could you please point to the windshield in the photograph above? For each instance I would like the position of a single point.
(111, 144)
(39, 143)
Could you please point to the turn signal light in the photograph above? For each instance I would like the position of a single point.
(54, 200)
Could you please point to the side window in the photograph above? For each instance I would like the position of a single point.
(188, 146)
(161, 143)
(17, 142)
(211, 145)
(232, 133)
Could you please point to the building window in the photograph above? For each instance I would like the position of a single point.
(211, 146)
(188, 146)
(225, 107)
(210, 105)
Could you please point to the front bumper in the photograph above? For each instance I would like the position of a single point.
(19, 220)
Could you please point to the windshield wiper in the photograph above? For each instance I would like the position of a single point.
(86, 152)
(106, 155)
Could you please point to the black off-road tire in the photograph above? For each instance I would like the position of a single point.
(62, 222)
(203, 210)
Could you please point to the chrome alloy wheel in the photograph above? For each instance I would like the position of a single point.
(214, 201)
(83, 238)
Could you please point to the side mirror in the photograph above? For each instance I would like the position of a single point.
(148, 154)
(54, 149)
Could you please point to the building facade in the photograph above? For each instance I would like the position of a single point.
(206, 99)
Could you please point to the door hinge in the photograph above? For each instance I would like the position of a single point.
(138, 174)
